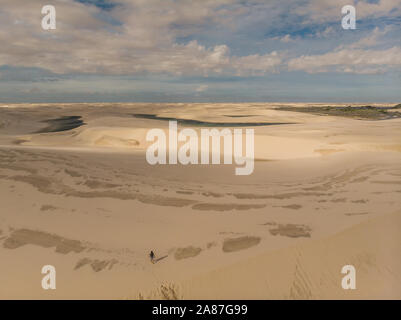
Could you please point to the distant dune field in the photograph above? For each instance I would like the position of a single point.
(77, 193)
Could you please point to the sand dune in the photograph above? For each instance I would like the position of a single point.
(312, 270)
(325, 193)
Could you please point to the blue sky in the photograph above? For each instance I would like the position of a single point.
(201, 51)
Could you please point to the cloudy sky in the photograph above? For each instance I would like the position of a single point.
(200, 50)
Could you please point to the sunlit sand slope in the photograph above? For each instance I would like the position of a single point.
(77, 193)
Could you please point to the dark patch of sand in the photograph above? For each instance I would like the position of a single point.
(292, 206)
(73, 173)
(278, 196)
(22, 237)
(386, 182)
(51, 186)
(187, 252)
(291, 230)
(360, 201)
(184, 192)
(356, 214)
(96, 184)
(241, 243)
(226, 207)
(96, 265)
(47, 207)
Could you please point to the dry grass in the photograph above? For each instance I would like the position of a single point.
(166, 291)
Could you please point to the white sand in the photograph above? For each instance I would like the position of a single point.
(325, 193)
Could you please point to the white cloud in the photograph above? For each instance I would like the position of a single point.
(371, 40)
(349, 60)
(144, 42)
(357, 57)
(286, 38)
(329, 10)
(145, 39)
(325, 33)
(256, 64)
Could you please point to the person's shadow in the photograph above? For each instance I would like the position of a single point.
(161, 258)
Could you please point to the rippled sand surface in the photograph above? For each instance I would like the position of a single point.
(77, 193)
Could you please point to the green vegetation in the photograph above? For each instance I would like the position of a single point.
(360, 112)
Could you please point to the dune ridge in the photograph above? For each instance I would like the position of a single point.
(325, 192)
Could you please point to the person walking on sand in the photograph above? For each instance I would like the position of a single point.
(152, 256)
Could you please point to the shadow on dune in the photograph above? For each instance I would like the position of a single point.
(198, 123)
(62, 124)
(161, 258)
